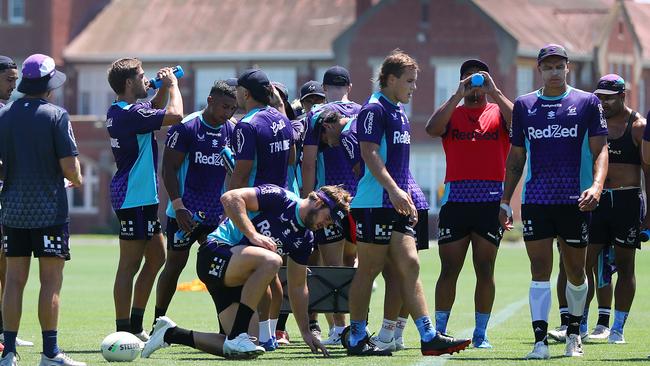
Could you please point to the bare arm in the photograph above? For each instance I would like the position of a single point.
(309, 153)
(169, 96)
(299, 299)
(71, 170)
(637, 133)
(236, 204)
(505, 105)
(172, 161)
(588, 200)
(437, 124)
(239, 177)
(514, 169)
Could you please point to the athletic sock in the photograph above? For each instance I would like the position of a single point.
(158, 312)
(274, 326)
(425, 328)
(619, 320)
(123, 325)
(576, 298)
(357, 331)
(400, 326)
(137, 315)
(282, 322)
(480, 331)
(50, 348)
(564, 315)
(265, 331)
(178, 335)
(338, 330)
(442, 317)
(10, 342)
(603, 316)
(242, 320)
(387, 331)
(539, 298)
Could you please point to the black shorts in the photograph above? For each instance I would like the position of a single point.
(617, 218)
(138, 223)
(550, 221)
(52, 241)
(174, 243)
(458, 219)
(376, 226)
(211, 264)
(333, 233)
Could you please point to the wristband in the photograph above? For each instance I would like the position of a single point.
(506, 207)
(177, 204)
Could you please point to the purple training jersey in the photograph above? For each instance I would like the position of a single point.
(264, 136)
(201, 177)
(278, 217)
(383, 123)
(555, 131)
(332, 167)
(134, 146)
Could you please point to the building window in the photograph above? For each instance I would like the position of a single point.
(287, 75)
(16, 11)
(84, 200)
(524, 79)
(84, 105)
(447, 79)
(204, 80)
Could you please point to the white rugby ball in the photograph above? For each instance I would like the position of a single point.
(121, 346)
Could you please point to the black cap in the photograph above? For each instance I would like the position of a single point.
(551, 50)
(337, 76)
(39, 75)
(610, 84)
(7, 63)
(311, 87)
(284, 91)
(473, 64)
(255, 80)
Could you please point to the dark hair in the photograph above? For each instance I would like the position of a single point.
(262, 94)
(329, 116)
(395, 64)
(222, 89)
(120, 71)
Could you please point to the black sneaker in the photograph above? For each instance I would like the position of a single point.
(442, 344)
(366, 348)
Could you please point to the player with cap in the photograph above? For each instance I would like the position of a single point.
(325, 165)
(562, 132)
(34, 222)
(619, 216)
(244, 253)
(475, 137)
(194, 174)
(311, 93)
(134, 187)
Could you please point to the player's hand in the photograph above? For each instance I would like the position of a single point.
(403, 203)
(505, 218)
(464, 88)
(262, 241)
(488, 85)
(314, 344)
(184, 220)
(646, 223)
(167, 76)
(69, 184)
(588, 200)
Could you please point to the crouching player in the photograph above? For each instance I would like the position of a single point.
(243, 255)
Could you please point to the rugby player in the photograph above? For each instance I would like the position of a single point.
(564, 132)
(194, 174)
(134, 193)
(475, 137)
(385, 209)
(244, 254)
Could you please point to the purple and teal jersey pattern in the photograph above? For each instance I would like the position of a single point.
(294, 171)
(202, 175)
(264, 136)
(350, 143)
(383, 123)
(332, 167)
(472, 191)
(134, 146)
(555, 131)
(278, 218)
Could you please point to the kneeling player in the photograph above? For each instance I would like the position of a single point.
(242, 256)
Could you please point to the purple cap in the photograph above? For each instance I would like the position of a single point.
(610, 84)
(311, 87)
(551, 50)
(39, 75)
(337, 76)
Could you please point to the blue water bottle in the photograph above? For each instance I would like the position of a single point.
(644, 235)
(156, 83)
(198, 217)
(228, 159)
(477, 80)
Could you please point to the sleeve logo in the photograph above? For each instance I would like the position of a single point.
(147, 112)
(240, 141)
(367, 123)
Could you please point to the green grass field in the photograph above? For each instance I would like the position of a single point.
(87, 316)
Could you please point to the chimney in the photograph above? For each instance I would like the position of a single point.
(362, 6)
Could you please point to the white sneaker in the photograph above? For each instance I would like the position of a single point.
(616, 337)
(573, 346)
(19, 342)
(60, 360)
(399, 344)
(539, 352)
(157, 340)
(558, 334)
(333, 339)
(600, 332)
(384, 346)
(143, 336)
(241, 347)
(11, 359)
